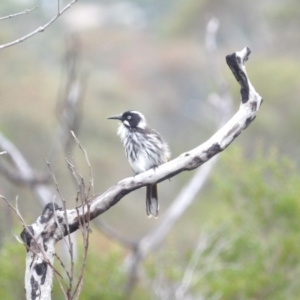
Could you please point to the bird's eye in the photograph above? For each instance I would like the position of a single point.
(129, 117)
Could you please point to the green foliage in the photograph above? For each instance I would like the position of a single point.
(12, 270)
(103, 276)
(252, 250)
(263, 194)
(252, 233)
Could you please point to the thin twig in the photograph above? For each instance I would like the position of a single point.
(85, 234)
(43, 257)
(64, 238)
(73, 170)
(39, 29)
(25, 12)
(202, 245)
(62, 264)
(91, 185)
(204, 242)
(58, 7)
(84, 222)
(69, 243)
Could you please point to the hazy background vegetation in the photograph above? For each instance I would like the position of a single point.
(150, 56)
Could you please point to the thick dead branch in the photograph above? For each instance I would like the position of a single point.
(41, 246)
(222, 102)
(38, 261)
(97, 205)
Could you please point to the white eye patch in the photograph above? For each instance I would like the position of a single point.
(129, 117)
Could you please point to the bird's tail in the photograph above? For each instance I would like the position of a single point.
(152, 201)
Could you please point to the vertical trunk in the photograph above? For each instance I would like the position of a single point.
(40, 239)
(39, 274)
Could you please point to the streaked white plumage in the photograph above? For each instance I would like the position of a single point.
(144, 148)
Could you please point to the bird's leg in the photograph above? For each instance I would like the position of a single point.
(155, 167)
(134, 174)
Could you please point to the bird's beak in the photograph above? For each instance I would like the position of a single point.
(118, 117)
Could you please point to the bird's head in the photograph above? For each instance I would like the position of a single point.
(131, 119)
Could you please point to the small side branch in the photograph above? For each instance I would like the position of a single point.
(25, 12)
(39, 29)
(43, 235)
(22, 173)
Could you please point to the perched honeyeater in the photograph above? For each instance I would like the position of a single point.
(145, 149)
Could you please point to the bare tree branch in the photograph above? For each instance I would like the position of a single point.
(153, 239)
(23, 173)
(204, 242)
(74, 288)
(96, 205)
(203, 260)
(20, 172)
(70, 99)
(223, 103)
(112, 234)
(20, 178)
(25, 12)
(68, 119)
(41, 28)
(41, 249)
(42, 255)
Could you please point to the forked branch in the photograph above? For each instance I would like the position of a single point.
(194, 158)
(46, 227)
(41, 28)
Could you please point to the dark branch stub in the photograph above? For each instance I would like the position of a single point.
(27, 236)
(235, 62)
(213, 150)
(41, 270)
(48, 212)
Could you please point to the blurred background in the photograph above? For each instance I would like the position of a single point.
(240, 237)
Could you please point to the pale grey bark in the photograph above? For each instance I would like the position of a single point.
(222, 101)
(56, 223)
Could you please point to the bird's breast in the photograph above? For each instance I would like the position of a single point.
(143, 149)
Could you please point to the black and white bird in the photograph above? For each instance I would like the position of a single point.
(145, 149)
